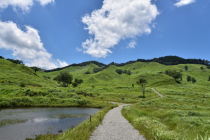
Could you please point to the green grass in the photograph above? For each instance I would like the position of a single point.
(82, 131)
(183, 112)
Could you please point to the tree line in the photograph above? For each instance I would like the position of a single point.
(166, 60)
(13, 60)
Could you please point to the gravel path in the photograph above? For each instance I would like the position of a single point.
(115, 127)
(157, 92)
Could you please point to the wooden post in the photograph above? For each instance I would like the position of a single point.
(90, 118)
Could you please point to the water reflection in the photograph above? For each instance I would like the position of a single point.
(18, 124)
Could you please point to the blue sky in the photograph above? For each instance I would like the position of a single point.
(55, 33)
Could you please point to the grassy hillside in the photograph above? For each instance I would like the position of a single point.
(183, 112)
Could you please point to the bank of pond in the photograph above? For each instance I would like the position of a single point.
(22, 123)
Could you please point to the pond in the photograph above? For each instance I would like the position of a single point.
(19, 124)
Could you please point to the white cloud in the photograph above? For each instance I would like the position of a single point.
(26, 46)
(45, 2)
(183, 2)
(132, 44)
(22, 4)
(117, 20)
(78, 49)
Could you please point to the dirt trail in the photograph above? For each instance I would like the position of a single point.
(157, 93)
(115, 127)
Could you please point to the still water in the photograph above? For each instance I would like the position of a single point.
(19, 124)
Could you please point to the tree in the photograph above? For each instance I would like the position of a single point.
(129, 72)
(142, 82)
(181, 76)
(193, 80)
(133, 85)
(119, 71)
(209, 78)
(189, 79)
(95, 70)
(74, 84)
(186, 67)
(201, 68)
(35, 69)
(65, 78)
(1, 57)
(125, 71)
(176, 75)
(78, 81)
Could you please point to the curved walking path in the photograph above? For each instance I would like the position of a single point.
(157, 93)
(115, 127)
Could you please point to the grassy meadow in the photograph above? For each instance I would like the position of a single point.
(183, 112)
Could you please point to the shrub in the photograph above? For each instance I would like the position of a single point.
(22, 84)
(82, 102)
(81, 92)
(5, 104)
(69, 95)
(119, 71)
(87, 72)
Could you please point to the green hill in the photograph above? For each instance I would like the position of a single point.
(183, 112)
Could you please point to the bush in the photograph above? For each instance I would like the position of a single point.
(141, 96)
(87, 72)
(5, 104)
(81, 93)
(69, 95)
(15, 102)
(95, 70)
(82, 102)
(22, 84)
(119, 71)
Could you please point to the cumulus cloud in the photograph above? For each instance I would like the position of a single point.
(132, 44)
(183, 2)
(22, 4)
(27, 46)
(117, 20)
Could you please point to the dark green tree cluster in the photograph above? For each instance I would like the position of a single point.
(65, 78)
(1, 57)
(95, 70)
(186, 67)
(77, 82)
(120, 71)
(88, 72)
(176, 75)
(167, 60)
(191, 79)
(15, 61)
(36, 69)
(80, 64)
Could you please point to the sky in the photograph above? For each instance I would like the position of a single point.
(56, 33)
